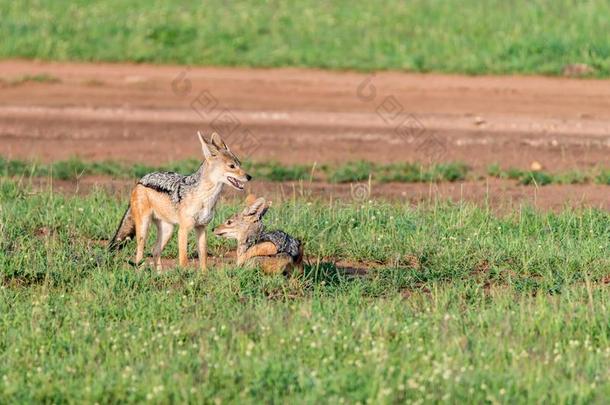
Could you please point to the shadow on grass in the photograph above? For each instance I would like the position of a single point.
(332, 273)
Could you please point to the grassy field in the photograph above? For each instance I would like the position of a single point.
(74, 168)
(467, 36)
(461, 305)
(542, 178)
(349, 172)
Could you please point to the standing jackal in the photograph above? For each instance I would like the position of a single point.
(275, 251)
(168, 198)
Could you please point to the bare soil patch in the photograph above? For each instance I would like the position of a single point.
(143, 113)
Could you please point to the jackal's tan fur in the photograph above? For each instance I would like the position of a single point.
(167, 199)
(275, 252)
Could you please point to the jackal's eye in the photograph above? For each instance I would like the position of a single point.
(231, 166)
(229, 222)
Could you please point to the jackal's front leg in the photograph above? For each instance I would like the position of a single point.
(183, 233)
(202, 247)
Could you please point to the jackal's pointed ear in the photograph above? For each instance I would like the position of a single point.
(220, 145)
(208, 149)
(218, 142)
(257, 209)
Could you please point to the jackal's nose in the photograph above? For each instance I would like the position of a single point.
(248, 177)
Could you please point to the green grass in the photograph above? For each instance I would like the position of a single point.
(468, 36)
(603, 177)
(466, 306)
(274, 171)
(396, 172)
(542, 178)
(350, 172)
(270, 171)
(74, 168)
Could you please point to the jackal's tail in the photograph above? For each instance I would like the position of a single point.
(126, 232)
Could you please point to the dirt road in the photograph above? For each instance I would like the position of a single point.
(149, 114)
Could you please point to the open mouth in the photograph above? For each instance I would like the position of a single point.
(235, 183)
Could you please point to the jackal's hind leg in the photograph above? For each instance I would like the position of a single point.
(261, 249)
(277, 264)
(142, 215)
(141, 235)
(164, 233)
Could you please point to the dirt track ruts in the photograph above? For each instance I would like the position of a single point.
(132, 113)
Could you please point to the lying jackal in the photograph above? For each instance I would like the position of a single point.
(168, 198)
(275, 251)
